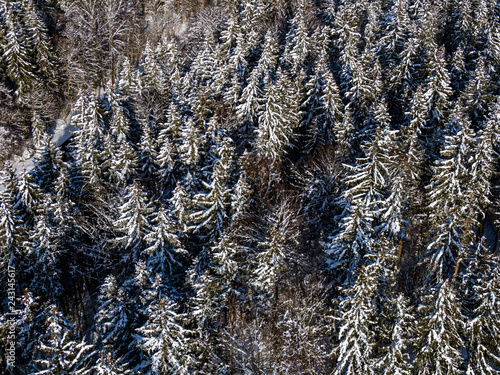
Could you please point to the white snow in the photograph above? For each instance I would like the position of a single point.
(60, 133)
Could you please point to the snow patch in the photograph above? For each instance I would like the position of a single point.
(60, 132)
(181, 28)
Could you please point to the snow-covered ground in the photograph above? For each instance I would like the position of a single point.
(60, 132)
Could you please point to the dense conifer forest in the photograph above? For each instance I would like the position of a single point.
(253, 187)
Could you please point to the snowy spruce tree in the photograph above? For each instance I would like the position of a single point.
(484, 356)
(165, 247)
(277, 122)
(165, 339)
(442, 327)
(450, 200)
(356, 336)
(134, 221)
(58, 350)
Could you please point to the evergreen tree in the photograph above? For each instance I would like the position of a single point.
(124, 164)
(107, 365)
(353, 353)
(252, 97)
(117, 317)
(407, 74)
(438, 88)
(88, 138)
(167, 157)
(279, 119)
(241, 198)
(181, 205)
(39, 130)
(48, 162)
(127, 82)
(165, 339)
(190, 149)
(58, 351)
(119, 125)
(331, 101)
(62, 206)
(213, 213)
(44, 253)
(40, 43)
(441, 327)
(484, 356)
(9, 191)
(30, 326)
(347, 34)
(153, 77)
(396, 358)
(448, 196)
(298, 44)
(226, 257)
(165, 246)
(418, 112)
(11, 236)
(29, 197)
(398, 25)
(477, 92)
(16, 54)
(363, 199)
(134, 221)
(148, 153)
(275, 249)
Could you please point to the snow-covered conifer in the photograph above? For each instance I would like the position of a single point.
(298, 45)
(347, 34)
(354, 350)
(484, 355)
(147, 153)
(153, 76)
(213, 206)
(438, 89)
(167, 156)
(9, 191)
(190, 149)
(441, 328)
(477, 92)
(59, 351)
(124, 164)
(398, 26)
(449, 197)
(108, 364)
(29, 196)
(252, 97)
(11, 236)
(88, 137)
(16, 55)
(278, 120)
(134, 219)
(165, 247)
(41, 43)
(181, 207)
(116, 318)
(127, 79)
(44, 255)
(240, 198)
(275, 248)
(165, 339)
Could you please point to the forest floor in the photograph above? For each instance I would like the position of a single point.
(60, 132)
